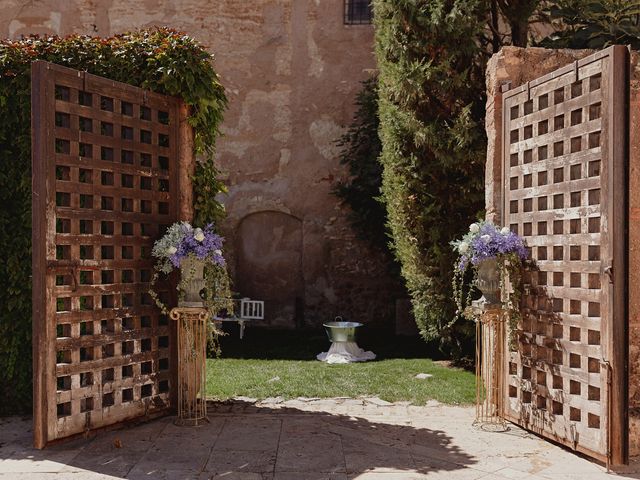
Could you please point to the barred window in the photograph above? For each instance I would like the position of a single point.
(357, 12)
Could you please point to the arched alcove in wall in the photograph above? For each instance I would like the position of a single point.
(269, 265)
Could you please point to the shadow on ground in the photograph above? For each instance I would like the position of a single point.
(242, 441)
(271, 344)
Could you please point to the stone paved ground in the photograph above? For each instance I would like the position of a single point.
(304, 439)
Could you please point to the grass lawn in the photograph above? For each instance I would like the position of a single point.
(270, 363)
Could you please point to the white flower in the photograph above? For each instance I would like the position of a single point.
(474, 228)
(463, 247)
(198, 234)
(171, 250)
(486, 238)
(217, 252)
(505, 231)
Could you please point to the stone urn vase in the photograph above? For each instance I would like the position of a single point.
(191, 282)
(489, 280)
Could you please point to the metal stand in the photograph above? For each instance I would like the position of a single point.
(192, 358)
(490, 345)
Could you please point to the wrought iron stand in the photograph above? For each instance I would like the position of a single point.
(192, 358)
(490, 345)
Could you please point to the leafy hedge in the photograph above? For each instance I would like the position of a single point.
(431, 106)
(161, 60)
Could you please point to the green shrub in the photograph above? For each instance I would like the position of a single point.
(433, 148)
(161, 60)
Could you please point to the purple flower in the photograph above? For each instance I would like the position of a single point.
(488, 241)
(208, 248)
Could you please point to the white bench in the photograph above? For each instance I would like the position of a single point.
(248, 310)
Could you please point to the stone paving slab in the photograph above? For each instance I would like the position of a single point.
(301, 439)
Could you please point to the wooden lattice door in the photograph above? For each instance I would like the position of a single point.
(104, 187)
(565, 183)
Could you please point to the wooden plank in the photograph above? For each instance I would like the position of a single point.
(115, 216)
(63, 369)
(99, 388)
(618, 188)
(104, 313)
(550, 240)
(552, 111)
(561, 72)
(560, 439)
(98, 289)
(113, 191)
(99, 115)
(39, 143)
(183, 192)
(129, 93)
(115, 167)
(563, 161)
(554, 136)
(71, 343)
(550, 214)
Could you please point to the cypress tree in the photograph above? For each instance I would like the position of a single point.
(431, 107)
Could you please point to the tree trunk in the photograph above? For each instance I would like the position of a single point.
(496, 41)
(519, 33)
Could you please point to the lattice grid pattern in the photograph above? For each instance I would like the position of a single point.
(358, 12)
(112, 168)
(553, 188)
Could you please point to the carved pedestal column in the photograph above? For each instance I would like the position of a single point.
(192, 361)
(490, 345)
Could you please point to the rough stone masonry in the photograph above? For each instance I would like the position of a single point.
(292, 69)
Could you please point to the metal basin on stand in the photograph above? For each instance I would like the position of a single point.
(341, 331)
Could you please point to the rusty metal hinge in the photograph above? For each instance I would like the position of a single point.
(608, 271)
(573, 434)
(87, 422)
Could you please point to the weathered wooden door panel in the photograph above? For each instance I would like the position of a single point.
(104, 187)
(564, 191)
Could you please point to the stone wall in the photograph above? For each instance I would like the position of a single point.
(634, 256)
(517, 66)
(291, 69)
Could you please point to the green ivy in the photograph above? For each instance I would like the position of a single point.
(161, 60)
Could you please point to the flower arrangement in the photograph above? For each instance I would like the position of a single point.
(197, 253)
(484, 242)
(182, 241)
